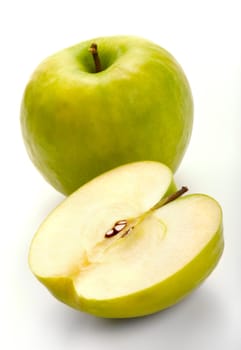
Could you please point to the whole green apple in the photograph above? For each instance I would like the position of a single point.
(87, 110)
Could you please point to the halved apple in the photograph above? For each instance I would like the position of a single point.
(114, 249)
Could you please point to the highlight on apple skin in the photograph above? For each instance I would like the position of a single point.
(128, 244)
(103, 103)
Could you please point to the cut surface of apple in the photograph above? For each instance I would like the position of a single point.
(167, 252)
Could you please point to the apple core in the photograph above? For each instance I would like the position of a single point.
(128, 225)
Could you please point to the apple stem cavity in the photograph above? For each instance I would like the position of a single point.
(124, 226)
(94, 50)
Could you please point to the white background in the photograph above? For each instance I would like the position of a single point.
(205, 37)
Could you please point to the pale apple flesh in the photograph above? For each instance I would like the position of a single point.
(162, 259)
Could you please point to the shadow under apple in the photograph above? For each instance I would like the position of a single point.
(199, 313)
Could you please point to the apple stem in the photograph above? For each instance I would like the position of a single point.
(125, 227)
(170, 198)
(94, 50)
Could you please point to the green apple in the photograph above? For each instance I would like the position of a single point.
(86, 111)
(124, 244)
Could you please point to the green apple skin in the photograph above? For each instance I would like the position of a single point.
(156, 298)
(77, 124)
